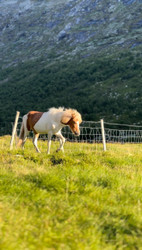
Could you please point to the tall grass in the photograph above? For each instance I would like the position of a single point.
(82, 199)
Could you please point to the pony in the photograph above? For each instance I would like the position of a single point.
(51, 123)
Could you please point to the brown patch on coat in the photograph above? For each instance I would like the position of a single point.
(33, 117)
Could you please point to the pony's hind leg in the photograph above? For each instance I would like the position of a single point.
(23, 132)
(25, 138)
(35, 142)
(23, 141)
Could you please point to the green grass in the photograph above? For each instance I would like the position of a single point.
(82, 199)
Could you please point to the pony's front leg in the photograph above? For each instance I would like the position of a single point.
(49, 143)
(62, 141)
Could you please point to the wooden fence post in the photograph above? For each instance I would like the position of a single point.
(14, 129)
(103, 134)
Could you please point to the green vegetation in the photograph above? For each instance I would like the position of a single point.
(106, 87)
(83, 199)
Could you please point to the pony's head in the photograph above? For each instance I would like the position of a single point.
(72, 118)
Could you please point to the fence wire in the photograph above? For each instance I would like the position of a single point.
(90, 132)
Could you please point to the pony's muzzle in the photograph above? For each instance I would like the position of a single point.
(77, 133)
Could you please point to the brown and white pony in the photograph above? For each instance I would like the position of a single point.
(51, 123)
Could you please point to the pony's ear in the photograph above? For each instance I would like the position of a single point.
(66, 118)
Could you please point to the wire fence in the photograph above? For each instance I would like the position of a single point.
(90, 132)
(123, 133)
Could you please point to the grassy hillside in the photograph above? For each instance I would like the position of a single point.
(83, 199)
(106, 87)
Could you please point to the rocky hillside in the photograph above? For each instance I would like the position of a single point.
(30, 29)
(84, 54)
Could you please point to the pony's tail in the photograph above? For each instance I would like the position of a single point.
(21, 136)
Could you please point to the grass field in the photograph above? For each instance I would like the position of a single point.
(82, 199)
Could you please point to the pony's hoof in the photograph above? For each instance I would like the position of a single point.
(59, 150)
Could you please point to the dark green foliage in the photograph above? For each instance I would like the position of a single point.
(107, 87)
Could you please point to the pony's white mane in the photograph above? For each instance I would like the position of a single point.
(56, 110)
(63, 111)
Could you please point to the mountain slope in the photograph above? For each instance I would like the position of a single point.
(31, 29)
(81, 54)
